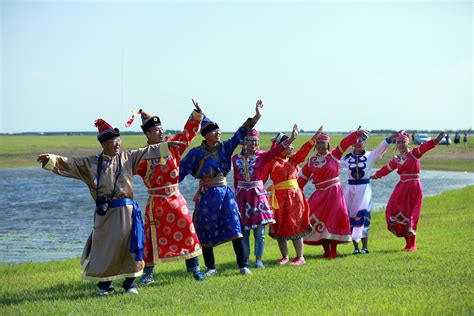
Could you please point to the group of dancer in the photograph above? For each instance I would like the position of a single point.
(122, 246)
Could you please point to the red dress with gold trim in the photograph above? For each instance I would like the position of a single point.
(328, 214)
(169, 229)
(292, 215)
(404, 206)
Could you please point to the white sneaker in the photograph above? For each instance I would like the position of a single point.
(210, 272)
(132, 291)
(245, 271)
(102, 293)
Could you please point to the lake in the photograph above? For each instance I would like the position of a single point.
(48, 217)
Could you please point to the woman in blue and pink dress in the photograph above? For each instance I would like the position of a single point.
(254, 208)
(404, 206)
(328, 214)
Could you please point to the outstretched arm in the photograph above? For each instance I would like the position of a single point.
(385, 170)
(190, 129)
(238, 137)
(348, 141)
(78, 168)
(419, 151)
(273, 152)
(378, 152)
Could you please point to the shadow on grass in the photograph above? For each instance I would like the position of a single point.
(63, 291)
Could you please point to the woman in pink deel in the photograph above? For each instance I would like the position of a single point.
(251, 197)
(328, 214)
(404, 206)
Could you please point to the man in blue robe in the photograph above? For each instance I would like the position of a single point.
(216, 216)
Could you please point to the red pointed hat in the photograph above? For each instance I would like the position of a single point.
(106, 131)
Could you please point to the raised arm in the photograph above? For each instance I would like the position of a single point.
(378, 152)
(238, 137)
(419, 151)
(346, 142)
(190, 130)
(273, 152)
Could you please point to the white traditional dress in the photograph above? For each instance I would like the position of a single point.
(358, 191)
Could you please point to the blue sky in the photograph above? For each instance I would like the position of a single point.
(397, 65)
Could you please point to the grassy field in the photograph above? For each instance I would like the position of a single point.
(437, 279)
(21, 151)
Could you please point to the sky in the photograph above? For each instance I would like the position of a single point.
(379, 64)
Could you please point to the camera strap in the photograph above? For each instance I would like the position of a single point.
(99, 171)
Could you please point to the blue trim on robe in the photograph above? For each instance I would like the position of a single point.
(216, 215)
(137, 236)
(364, 219)
(218, 159)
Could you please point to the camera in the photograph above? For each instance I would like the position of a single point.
(102, 204)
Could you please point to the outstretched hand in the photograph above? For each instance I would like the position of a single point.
(393, 136)
(196, 105)
(43, 159)
(372, 177)
(258, 108)
(440, 136)
(294, 132)
(176, 143)
(363, 134)
(319, 131)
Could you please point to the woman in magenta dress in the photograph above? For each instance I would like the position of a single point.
(404, 206)
(328, 214)
(251, 197)
(287, 199)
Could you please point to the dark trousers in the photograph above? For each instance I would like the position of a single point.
(208, 254)
(128, 283)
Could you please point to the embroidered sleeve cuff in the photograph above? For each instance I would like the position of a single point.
(51, 162)
(249, 123)
(197, 116)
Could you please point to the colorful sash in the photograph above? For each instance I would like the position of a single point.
(284, 185)
(137, 237)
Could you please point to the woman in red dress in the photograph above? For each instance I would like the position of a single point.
(328, 214)
(404, 206)
(287, 199)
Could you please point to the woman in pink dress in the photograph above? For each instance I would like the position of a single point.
(328, 214)
(404, 206)
(287, 199)
(251, 197)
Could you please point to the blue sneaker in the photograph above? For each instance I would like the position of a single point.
(147, 279)
(199, 276)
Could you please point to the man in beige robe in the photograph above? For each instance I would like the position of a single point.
(107, 254)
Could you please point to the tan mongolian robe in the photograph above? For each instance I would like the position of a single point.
(107, 255)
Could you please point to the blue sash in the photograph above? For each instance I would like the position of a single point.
(137, 237)
(361, 181)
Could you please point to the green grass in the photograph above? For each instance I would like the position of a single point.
(437, 279)
(21, 151)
